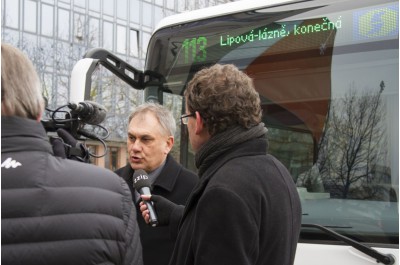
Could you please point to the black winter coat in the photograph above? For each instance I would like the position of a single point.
(58, 211)
(174, 183)
(245, 211)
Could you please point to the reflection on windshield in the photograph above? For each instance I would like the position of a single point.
(352, 158)
(329, 100)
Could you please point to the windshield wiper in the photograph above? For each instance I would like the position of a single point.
(380, 257)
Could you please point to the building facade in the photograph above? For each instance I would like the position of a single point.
(55, 34)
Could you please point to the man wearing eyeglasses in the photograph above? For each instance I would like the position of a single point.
(245, 209)
(151, 130)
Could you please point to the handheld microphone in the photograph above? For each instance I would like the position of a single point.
(142, 185)
(89, 112)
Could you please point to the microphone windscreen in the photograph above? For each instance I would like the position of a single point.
(99, 113)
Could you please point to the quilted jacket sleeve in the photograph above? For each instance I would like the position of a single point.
(133, 253)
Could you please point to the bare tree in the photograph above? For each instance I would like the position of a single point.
(118, 97)
(352, 153)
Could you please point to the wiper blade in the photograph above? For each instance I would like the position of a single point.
(380, 257)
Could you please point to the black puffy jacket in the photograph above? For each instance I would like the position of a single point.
(58, 211)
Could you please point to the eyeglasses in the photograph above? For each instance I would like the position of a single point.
(185, 118)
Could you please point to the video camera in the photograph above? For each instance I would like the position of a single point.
(76, 118)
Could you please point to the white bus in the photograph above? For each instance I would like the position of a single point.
(327, 72)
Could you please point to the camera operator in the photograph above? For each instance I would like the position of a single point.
(55, 210)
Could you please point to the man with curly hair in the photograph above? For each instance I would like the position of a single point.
(245, 209)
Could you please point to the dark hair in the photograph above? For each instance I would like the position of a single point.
(224, 96)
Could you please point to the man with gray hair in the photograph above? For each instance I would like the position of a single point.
(151, 131)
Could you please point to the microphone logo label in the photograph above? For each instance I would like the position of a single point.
(140, 177)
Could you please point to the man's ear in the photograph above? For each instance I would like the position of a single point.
(200, 126)
(39, 118)
(170, 142)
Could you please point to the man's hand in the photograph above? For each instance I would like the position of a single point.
(66, 146)
(163, 207)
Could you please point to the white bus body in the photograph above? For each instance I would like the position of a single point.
(327, 72)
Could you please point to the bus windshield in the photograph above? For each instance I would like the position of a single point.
(327, 76)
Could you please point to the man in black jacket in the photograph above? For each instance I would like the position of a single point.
(150, 139)
(246, 209)
(54, 210)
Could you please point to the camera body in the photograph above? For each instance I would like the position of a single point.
(69, 122)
